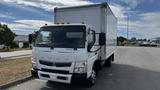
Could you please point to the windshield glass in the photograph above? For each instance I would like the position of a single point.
(44, 38)
(62, 36)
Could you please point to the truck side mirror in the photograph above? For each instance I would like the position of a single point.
(30, 38)
(102, 39)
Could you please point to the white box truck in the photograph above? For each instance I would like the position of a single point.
(82, 39)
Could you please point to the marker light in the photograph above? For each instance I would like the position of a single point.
(83, 23)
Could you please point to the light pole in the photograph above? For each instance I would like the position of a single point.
(127, 30)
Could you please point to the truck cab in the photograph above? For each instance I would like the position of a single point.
(65, 53)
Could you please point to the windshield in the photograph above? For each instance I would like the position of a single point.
(61, 37)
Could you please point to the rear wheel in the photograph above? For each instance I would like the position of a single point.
(112, 57)
(108, 63)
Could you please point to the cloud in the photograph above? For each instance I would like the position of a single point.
(33, 24)
(148, 26)
(134, 3)
(120, 13)
(49, 4)
(5, 15)
(26, 25)
(118, 10)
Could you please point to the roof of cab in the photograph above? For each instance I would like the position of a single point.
(71, 24)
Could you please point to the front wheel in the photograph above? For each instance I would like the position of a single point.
(92, 79)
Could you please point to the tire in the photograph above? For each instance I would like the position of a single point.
(112, 57)
(108, 62)
(98, 66)
(92, 79)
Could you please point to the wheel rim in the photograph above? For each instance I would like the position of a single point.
(93, 77)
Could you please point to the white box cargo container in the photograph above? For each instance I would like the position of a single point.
(98, 16)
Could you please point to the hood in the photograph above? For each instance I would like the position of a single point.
(59, 55)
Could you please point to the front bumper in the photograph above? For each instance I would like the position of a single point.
(63, 78)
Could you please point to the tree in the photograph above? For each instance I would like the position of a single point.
(6, 35)
(1, 34)
(121, 40)
(133, 39)
(33, 36)
(1, 31)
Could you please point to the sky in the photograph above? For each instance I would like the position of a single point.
(26, 16)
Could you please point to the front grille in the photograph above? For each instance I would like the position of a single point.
(44, 75)
(46, 63)
(62, 64)
(55, 71)
(57, 64)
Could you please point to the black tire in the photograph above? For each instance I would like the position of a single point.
(92, 79)
(112, 57)
(108, 62)
(98, 66)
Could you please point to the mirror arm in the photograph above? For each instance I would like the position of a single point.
(96, 50)
(99, 45)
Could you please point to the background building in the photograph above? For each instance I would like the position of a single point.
(22, 41)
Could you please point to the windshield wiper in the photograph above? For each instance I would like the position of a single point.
(42, 45)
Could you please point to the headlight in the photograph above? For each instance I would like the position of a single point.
(34, 65)
(80, 67)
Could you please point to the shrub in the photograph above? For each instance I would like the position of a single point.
(14, 45)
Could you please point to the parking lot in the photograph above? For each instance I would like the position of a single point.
(134, 68)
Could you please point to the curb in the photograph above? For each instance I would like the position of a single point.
(16, 82)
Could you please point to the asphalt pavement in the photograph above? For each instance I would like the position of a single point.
(134, 68)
